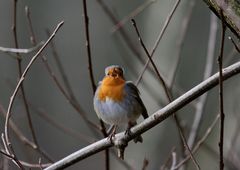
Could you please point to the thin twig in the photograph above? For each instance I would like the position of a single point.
(150, 122)
(103, 129)
(21, 50)
(168, 19)
(86, 23)
(167, 92)
(167, 159)
(220, 59)
(23, 138)
(92, 126)
(235, 44)
(12, 157)
(229, 162)
(19, 59)
(62, 128)
(207, 73)
(134, 13)
(12, 98)
(122, 32)
(61, 69)
(200, 142)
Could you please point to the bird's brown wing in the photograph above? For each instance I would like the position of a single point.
(136, 94)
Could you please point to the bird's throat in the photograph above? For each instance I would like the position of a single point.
(112, 88)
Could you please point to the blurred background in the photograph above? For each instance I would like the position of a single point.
(186, 55)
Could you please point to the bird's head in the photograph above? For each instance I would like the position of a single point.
(114, 71)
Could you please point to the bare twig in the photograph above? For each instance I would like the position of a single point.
(168, 19)
(230, 11)
(92, 126)
(220, 59)
(134, 13)
(103, 129)
(12, 157)
(122, 32)
(208, 71)
(23, 138)
(61, 69)
(19, 59)
(12, 98)
(168, 159)
(235, 44)
(150, 122)
(200, 142)
(21, 50)
(64, 129)
(167, 92)
(86, 22)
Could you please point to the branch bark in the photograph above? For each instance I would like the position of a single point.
(153, 120)
(231, 13)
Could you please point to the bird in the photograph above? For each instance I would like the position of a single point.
(117, 101)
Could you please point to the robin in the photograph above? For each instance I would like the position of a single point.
(117, 101)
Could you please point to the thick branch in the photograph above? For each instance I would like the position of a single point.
(150, 122)
(231, 13)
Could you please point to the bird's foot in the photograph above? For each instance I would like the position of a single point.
(112, 134)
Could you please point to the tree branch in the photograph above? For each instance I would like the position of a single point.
(222, 115)
(230, 11)
(148, 123)
(12, 98)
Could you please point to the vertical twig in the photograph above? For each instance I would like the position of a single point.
(86, 22)
(103, 129)
(167, 92)
(207, 73)
(19, 59)
(222, 116)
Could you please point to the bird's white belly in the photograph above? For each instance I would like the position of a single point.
(116, 113)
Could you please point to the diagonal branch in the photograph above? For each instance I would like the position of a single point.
(168, 94)
(166, 23)
(150, 122)
(12, 98)
(230, 10)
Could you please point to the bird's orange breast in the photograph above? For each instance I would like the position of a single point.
(112, 88)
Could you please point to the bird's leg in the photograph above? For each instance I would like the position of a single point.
(128, 132)
(130, 125)
(110, 129)
(112, 132)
